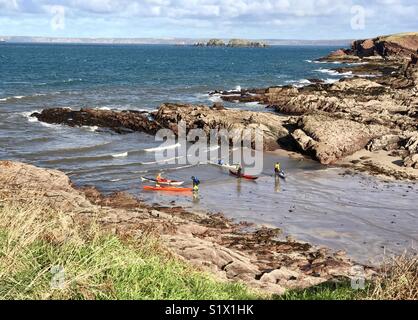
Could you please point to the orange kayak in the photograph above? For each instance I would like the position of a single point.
(171, 189)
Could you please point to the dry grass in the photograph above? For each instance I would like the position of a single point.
(398, 280)
(35, 240)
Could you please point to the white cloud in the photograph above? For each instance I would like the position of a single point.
(9, 5)
(296, 16)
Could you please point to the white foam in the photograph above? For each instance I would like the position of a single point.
(91, 128)
(299, 83)
(21, 97)
(12, 98)
(334, 73)
(252, 104)
(331, 81)
(357, 63)
(174, 146)
(162, 161)
(120, 155)
(238, 88)
(28, 117)
(215, 98)
(72, 80)
(51, 125)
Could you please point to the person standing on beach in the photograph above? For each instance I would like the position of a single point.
(196, 183)
(277, 168)
(239, 170)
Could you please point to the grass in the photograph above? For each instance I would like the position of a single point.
(46, 255)
(35, 244)
(399, 36)
(398, 280)
(326, 291)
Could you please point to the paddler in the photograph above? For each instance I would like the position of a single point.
(239, 169)
(196, 183)
(277, 168)
(158, 178)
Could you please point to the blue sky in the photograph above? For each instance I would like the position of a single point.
(264, 19)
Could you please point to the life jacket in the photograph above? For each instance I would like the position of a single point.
(277, 166)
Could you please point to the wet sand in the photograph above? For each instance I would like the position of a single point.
(365, 216)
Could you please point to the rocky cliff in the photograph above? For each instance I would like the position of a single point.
(398, 46)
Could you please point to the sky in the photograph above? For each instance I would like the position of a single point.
(263, 19)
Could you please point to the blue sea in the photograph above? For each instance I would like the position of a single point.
(148, 75)
(316, 204)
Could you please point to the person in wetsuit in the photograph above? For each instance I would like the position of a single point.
(196, 183)
(239, 170)
(277, 168)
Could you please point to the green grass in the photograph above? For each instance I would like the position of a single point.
(96, 266)
(325, 291)
(34, 240)
(399, 36)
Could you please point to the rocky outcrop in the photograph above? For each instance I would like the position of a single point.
(397, 46)
(118, 121)
(411, 161)
(329, 139)
(233, 43)
(387, 142)
(215, 43)
(375, 107)
(261, 258)
(240, 43)
(168, 116)
(202, 117)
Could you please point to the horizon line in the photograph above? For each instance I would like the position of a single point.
(152, 40)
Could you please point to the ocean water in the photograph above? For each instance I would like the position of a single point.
(362, 215)
(146, 76)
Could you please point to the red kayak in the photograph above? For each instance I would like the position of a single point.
(245, 176)
(171, 189)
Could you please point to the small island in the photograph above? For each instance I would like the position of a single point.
(233, 43)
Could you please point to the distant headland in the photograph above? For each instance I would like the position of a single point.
(233, 43)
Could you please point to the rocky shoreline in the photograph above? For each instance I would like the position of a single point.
(257, 256)
(368, 121)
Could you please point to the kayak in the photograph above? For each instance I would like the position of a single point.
(163, 181)
(170, 189)
(225, 166)
(281, 174)
(245, 176)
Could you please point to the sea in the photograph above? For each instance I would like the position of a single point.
(367, 217)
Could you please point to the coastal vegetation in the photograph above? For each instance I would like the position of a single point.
(46, 255)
